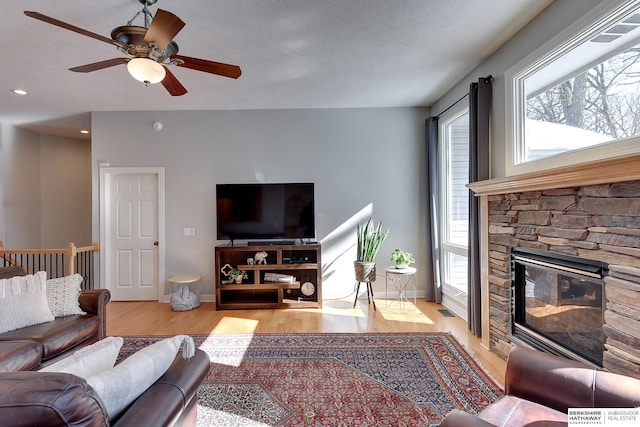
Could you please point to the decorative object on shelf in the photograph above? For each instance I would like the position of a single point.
(249, 261)
(237, 275)
(260, 257)
(225, 270)
(233, 274)
(279, 278)
(308, 289)
(370, 238)
(402, 259)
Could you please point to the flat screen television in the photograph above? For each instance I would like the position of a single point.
(265, 211)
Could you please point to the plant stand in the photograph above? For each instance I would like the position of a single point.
(365, 272)
(369, 295)
(400, 278)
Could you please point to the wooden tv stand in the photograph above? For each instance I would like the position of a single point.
(302, 262)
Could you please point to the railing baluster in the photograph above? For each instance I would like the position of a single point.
(90, 267)
(56, 262)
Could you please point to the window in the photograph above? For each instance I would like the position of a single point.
(454, 205)
(579, 92)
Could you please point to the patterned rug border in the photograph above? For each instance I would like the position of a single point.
(434, 360)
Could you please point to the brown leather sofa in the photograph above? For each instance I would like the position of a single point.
(55, 399)
(540, 389)
(29, 398)
(35, 346)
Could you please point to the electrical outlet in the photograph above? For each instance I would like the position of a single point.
(190, 232)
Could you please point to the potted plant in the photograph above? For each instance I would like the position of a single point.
(402, 259)
(370, 238)
(237, 276)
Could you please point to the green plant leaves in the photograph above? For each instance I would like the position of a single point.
(400, 257)
(370, 239)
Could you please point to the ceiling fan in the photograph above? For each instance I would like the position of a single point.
(150, 49)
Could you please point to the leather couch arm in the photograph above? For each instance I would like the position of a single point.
(549, 380)
(94, 301)
(168, 397)
(49, 399)
(616, 391)
(458, 418)
(11, 271)
(561, 383)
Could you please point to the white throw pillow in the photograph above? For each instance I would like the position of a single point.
(62, 295)
(89, 360)
(23, 301)
(120, 386)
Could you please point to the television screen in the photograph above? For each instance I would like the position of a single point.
(265, 211)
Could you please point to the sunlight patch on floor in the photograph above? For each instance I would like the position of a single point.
(338, 308)
(391, 310)
(244, 328)
(224, 418)
(235, 325)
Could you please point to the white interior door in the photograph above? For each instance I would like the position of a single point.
(132, 234)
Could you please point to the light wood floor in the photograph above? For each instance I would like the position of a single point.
(153, 318)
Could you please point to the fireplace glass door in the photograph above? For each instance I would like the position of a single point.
(558, 305)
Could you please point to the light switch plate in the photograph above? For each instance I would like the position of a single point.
(190, 232)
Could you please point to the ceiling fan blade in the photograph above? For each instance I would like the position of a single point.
(172, 85)
(225, 70)
(164, 27)
(99, 65)
(58, 23)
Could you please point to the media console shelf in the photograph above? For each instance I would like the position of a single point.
(276, 284)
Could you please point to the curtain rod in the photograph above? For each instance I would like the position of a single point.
(453, 105)
(487, 79)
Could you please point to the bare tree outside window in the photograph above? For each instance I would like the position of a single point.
(603, 100)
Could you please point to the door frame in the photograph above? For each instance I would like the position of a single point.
(106, 174)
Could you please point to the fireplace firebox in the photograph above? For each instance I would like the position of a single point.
(557, 303)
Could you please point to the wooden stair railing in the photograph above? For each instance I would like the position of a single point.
(56, 262)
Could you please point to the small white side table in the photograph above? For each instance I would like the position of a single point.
(400, 278)
(185, 291)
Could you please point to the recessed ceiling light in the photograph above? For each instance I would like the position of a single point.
(84, 131)
(19, 92)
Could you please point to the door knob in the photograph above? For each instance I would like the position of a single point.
(155, 243)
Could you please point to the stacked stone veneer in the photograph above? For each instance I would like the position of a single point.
(598, 222)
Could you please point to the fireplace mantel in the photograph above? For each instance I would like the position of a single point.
(617, 169)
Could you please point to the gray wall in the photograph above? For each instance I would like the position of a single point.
(2, 171)
(555, 18)
(65, 168)
(46, 189)
(21, 183)
(363, 162)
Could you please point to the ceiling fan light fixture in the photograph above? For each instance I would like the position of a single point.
(146, 70)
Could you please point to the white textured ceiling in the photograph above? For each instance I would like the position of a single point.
(293, 54)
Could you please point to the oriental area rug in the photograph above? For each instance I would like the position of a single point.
(400, 379)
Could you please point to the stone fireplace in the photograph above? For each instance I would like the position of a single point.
(590, 211)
